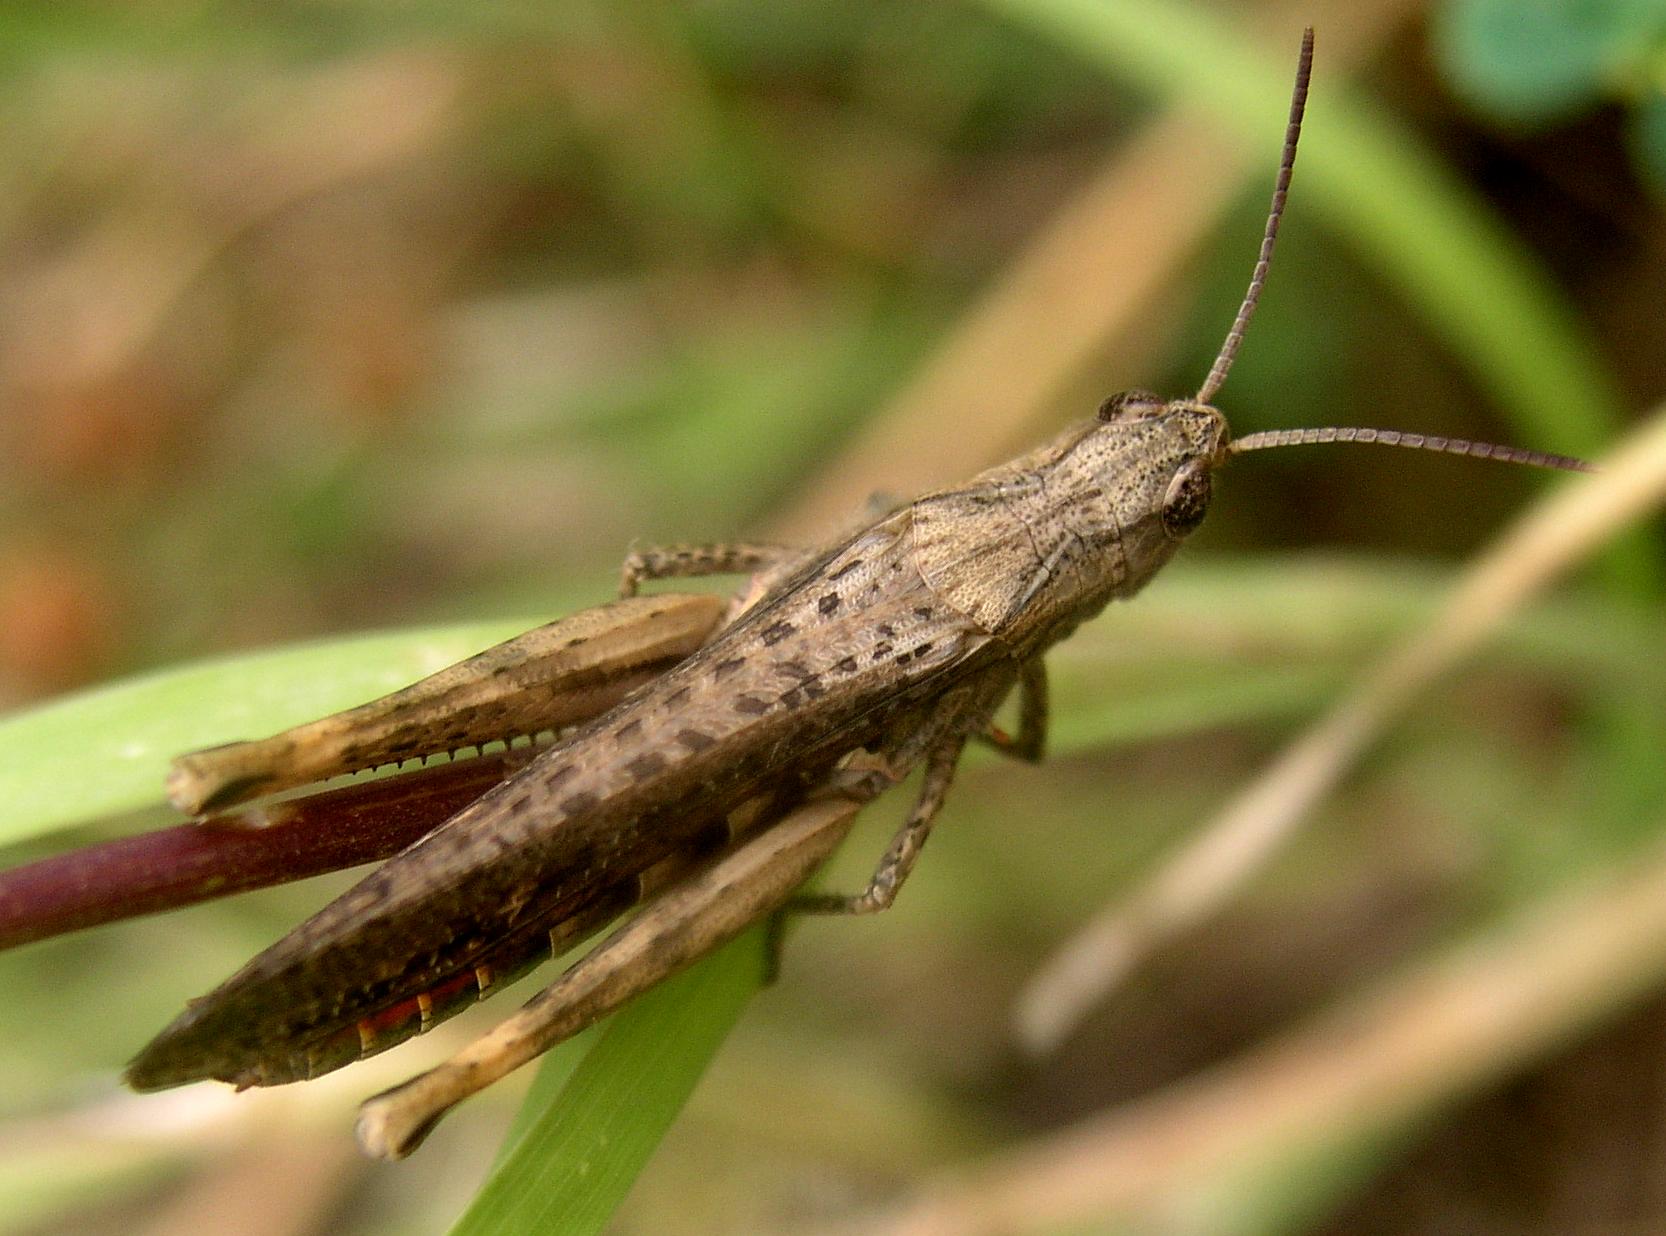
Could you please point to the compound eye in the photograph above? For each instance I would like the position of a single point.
(1130, 406)
(1187, 499)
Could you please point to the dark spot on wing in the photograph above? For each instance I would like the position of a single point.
(845, 665)
(855, 564)
(676, 697)
(751, 705)
(724, 668)
(578, 804)
(828, 603)
(629, 729)
(647, 765)
(694, 740)
(778, 632)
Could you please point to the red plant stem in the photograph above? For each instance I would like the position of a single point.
(235, 851)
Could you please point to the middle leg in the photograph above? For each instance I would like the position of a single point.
(939, 740)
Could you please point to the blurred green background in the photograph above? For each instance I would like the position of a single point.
(335, 316)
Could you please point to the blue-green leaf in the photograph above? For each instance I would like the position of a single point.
(1538, 60)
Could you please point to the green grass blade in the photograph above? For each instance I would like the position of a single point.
(579, 1155)
(105, 752)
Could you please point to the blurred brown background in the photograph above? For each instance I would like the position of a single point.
(322, 317)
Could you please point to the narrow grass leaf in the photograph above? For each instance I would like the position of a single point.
(579, 1155)
(104, 752)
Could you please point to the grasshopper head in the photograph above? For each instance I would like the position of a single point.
(1131, 488)
(1033, 547)
(1185, 441)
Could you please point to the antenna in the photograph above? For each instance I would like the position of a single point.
(1281, 190)
(1270, 438)
(1235, 336)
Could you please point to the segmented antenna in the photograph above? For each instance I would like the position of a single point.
(1234, 337)
(1281, 190)
(1270, 438)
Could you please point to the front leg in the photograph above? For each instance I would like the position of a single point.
(688, 561)
(1030, 743)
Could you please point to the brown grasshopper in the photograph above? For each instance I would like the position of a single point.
(717, 785)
